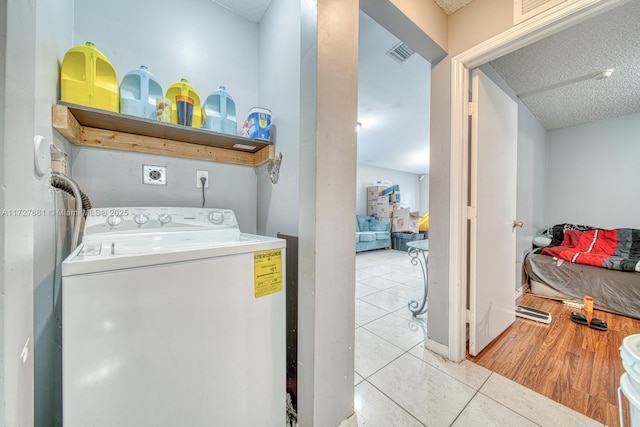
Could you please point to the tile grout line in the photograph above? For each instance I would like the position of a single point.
(500, 403)
(385, 394)
(477, 392)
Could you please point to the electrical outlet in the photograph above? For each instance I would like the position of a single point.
(154, 175)
(200, 174)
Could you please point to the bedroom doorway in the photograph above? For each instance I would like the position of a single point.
(526, 33)
(458, 272)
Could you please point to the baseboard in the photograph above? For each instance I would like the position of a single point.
(437, 348)
(519, 292)
(350, 421)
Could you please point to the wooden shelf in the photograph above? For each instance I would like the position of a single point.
(98, 128)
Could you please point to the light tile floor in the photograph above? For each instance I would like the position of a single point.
(400, 383)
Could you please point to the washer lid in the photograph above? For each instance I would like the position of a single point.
(118, 254)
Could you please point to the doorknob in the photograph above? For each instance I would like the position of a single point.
(517, 224)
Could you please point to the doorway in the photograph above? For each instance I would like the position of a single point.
(532, 30)
(461, 64)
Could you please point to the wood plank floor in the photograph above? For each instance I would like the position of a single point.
(572, 364)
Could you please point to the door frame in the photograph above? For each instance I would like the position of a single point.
(552, 21)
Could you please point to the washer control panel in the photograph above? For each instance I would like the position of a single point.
(141, 220)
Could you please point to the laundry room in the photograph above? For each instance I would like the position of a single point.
(256, 57)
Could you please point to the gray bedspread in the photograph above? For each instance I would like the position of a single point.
(617, 291)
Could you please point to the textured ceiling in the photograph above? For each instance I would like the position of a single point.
(553, 75)
(450, 6)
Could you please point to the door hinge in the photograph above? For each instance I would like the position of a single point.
(472, 108)
(471, 212)
(468, 316)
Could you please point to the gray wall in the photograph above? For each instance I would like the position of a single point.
(532, 177)
(114, 178)
(593, 174)
(19, 190)
(194, 39)
(306, 209)
(3, 63)
(329, 55)
(408, 182)
(53, 38)
(424, 194)
(215, 47)
(279, 77)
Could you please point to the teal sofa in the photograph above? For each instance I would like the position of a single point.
(372, 234)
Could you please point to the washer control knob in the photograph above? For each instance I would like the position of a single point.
(216, 217)
(164, 219)
(140, 219)
(114, 220)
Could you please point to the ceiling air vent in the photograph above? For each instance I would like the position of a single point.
(525, 9)
(400, 53)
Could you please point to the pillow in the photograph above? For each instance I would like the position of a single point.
(541, 241)
(378, 226)
(363, 223)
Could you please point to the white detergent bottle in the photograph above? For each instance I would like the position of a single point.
(220, 112)
(138, 92)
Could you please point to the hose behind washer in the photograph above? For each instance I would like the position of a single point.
(82, 202)
(65, 184)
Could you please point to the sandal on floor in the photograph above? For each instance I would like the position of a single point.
(598, 324)
(579, 318)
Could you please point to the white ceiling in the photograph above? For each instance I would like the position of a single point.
(393, 103)
(253, 10)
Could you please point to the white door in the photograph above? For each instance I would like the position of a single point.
(492, 236)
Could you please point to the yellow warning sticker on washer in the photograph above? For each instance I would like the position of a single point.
(267, 270)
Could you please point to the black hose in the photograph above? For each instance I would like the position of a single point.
(64, 186)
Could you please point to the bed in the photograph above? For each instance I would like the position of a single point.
(581, 260)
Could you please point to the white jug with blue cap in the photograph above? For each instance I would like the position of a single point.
(138, 92)
(220, 112)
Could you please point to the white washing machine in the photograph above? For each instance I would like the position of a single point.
(173, 317)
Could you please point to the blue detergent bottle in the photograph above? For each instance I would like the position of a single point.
(220, 112)
(138, 92)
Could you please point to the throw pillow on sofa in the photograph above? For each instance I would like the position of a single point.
(363, 222)
(378, 226)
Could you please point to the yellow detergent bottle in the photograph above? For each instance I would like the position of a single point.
(184, 89)
(88, 78)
